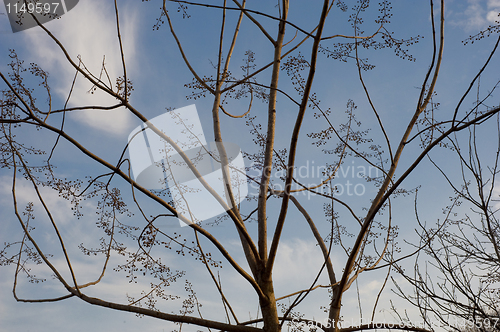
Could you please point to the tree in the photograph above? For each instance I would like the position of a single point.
(462, 247)
(363, 233)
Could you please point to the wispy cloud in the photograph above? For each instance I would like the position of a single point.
(493, 11)
(25, 193)
(89, 32)
(478, 14)
(475, 14)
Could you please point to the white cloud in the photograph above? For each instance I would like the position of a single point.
(304, 258)
(88, 31)
(475, 15)
(492, 16)
(60, 208)
(493, 3)
(478, 15)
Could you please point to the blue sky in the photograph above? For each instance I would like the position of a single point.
(159, 75)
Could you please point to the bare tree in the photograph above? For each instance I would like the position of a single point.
(456, 276)
(364, 234)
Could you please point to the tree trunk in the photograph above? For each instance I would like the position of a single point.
(268, 306)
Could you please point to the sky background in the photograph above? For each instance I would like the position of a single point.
(159, 75)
